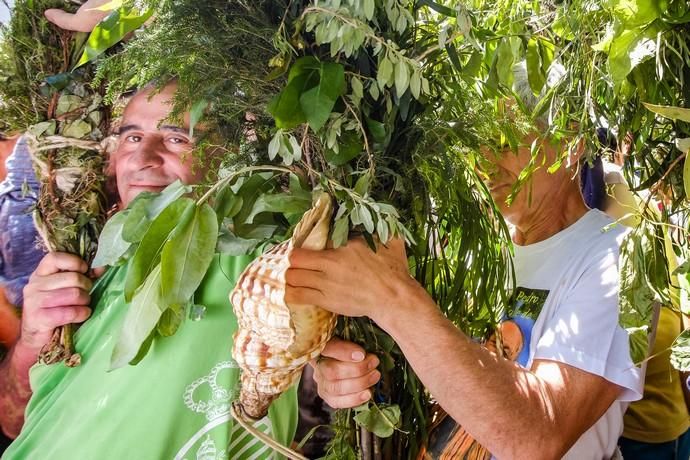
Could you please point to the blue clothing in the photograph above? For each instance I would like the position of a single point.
(678, 449)
(19, 253)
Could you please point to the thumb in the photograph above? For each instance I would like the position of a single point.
(66, 21)
(343, 350)
(62, 19)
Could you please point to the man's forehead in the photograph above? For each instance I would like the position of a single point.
(151, 113)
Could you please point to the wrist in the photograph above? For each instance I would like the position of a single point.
(20, 358)
(408, 301)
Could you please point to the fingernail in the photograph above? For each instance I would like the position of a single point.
(373, 364)
(357, 356)
(375, 376)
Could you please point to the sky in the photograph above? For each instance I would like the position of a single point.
(4, 12)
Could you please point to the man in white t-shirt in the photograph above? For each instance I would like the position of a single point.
(570, 376)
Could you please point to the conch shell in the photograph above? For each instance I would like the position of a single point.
(275, 340)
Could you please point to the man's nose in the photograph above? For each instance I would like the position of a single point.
(149, 154)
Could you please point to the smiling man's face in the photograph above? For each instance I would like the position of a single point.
(151, 152)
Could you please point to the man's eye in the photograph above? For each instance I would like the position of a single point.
(133, 138)
(178, 140)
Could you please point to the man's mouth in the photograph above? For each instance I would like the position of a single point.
(498, 186)
(148, 186)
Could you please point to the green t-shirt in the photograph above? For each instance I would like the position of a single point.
(174, 404)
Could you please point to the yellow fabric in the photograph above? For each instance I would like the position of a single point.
(661, 415)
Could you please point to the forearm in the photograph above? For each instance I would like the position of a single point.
(15, 390)
(497, 401)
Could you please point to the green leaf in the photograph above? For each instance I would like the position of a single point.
(141, 318)
(148, 253)
(369, 9)
(416, 84)
(504, 63)
(318, 102)
(111, 31)
(274, 145)
(229, 243)
(76, 129)
(357, 88)
(340, 231)
(367, 219)
(680, 352)
(187, 256)
(402, 78)
(196, 113)
(147, 206)
(227, 204)
(279, 202)
(535, 72)
(111, 245)
(144, 348)
(450, 12)
(68, 103)
(382, 230)
(285, 106)
(137, 221)
(380, 420)
(350, 147)
(363, 184)
(674, 113)
(170, 321)
(385, 72)
(636, 12)
(377, 130)
(629, 49)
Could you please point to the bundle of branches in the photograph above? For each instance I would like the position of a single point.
(48, 95)
(593, 64)
(357, 98)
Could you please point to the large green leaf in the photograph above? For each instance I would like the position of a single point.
(674, 113)
(141, 318)
(318, 102)
(229, 243)
(629, 49)
(148, 253)
(380, 420)
(285, 203)
(111, 245)
(634, 13)
(146, 207)
(187, 256)
(111, 31)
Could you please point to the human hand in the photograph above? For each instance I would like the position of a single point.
(57, 294)
(351, 280)
(344, 373)
(84, 20)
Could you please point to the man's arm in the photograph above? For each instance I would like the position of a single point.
(501, 404)
(57, 294)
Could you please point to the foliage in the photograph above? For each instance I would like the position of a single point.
(356, 98)
(65, 122)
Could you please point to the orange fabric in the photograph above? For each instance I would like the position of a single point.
(9, 321)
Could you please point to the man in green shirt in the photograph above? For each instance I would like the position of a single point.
(175, 403)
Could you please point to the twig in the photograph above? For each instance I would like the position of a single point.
(263, 437)
(224, 181)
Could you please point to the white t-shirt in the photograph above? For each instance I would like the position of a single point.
(567, 297)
